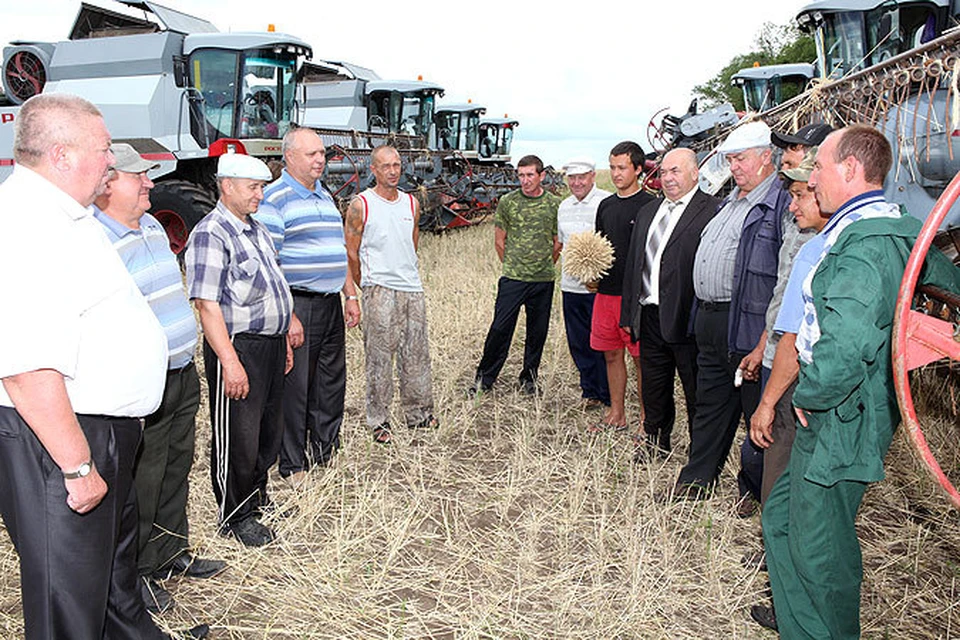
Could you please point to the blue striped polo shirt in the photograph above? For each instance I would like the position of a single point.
(307, 230)
(147, 256)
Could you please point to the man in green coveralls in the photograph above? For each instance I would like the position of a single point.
(844, 400)
(526, 243)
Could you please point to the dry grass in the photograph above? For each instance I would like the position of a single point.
(511, 522)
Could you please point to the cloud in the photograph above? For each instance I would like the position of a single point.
(587, 73)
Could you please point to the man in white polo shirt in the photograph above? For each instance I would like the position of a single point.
(82, 360)
(577, 214)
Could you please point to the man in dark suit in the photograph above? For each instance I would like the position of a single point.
(658, 293)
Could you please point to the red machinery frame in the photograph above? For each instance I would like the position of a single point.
(919, 339)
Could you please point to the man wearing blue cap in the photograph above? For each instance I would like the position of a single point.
(234, 278)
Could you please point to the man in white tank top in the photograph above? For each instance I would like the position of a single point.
(381, 234)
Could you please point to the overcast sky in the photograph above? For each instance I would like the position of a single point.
(578, 80)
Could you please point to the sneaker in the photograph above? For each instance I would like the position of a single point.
(764, 616)
(250, 531)
(156, 599)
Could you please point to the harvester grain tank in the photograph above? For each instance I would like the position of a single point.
(174, 87)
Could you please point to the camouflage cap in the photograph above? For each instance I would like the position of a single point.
(802, 172)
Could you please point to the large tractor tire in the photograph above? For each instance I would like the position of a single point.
(179, 205)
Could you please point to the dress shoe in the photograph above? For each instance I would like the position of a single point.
(477, 389)
(755, 560)
(529, 387)
(156, 599)
(690, 492)
(747, 506)
(195, 633)
(764, 616)
(186, 565)
(250, 531)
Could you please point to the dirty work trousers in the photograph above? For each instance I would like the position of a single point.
(395, 325)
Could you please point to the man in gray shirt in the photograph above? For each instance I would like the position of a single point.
(734, 274)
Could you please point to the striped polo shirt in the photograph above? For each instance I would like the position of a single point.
(147, 256)
(307, 230)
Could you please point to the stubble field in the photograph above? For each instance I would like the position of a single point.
(510, 521)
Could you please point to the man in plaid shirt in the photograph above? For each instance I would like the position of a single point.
(244, 303)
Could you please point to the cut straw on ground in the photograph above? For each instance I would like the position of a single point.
(510, 521)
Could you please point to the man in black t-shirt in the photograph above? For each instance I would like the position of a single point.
(615, 219)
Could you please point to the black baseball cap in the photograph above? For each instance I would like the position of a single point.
(809, 136)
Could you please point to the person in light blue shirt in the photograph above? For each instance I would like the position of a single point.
(307, 231)
(166, 450)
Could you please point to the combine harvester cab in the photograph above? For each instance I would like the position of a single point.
(174, 88)
(353, 111)
(766, 87)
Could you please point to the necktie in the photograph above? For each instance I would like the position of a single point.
(655, 237)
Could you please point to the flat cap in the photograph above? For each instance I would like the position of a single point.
(578, 166)
(239, 165)
(128, 160)
(747, 136)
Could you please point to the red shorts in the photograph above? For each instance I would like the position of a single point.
(606, 334)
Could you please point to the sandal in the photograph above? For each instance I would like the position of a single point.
(603, 427)
(430, 422)
(381, 434)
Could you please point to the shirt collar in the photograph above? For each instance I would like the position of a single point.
(587, 198)
(71, 207)
(298, 188)
(116, 228)
(760, 191)
(850, 205)
(233, 222)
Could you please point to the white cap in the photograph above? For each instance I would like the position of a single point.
(239, 165)
(747, 136)
(578, 166)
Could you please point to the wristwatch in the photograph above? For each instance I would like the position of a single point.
(82, 472)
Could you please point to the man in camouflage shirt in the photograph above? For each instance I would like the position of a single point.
(526, 243)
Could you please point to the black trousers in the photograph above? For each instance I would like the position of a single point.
(577, 314)
(246, 433)
(315, 389)
(163, 466)
(536, 298)
(659, 360)
(78, 572)
(719, 405)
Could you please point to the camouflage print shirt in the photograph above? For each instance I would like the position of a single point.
(531, 224)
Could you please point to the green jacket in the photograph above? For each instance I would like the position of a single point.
(849, 384)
